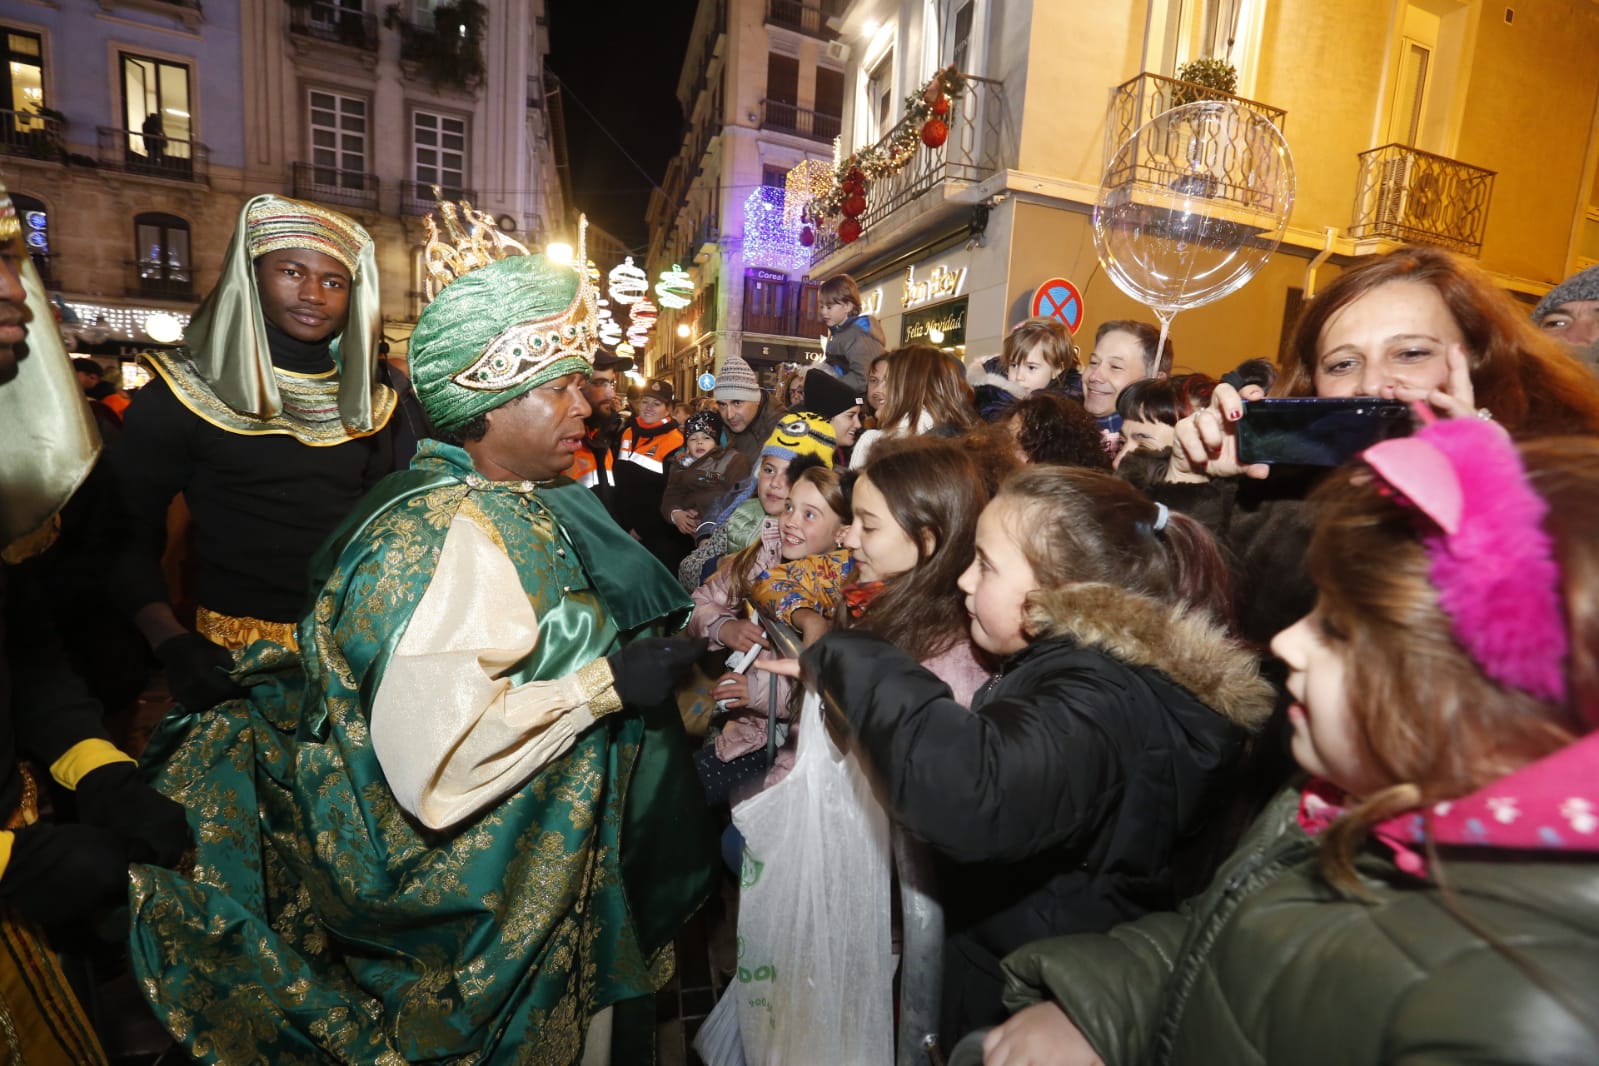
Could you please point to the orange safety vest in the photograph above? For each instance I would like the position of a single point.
(585, 470)
(649, 452)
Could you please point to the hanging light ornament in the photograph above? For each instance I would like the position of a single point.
(675, 290)
(642, 320)
(808, 180)
(629, 284)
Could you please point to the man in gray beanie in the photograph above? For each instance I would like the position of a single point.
(749, 415)
(1570, 311)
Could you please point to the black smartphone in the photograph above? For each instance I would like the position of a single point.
(1317, 432)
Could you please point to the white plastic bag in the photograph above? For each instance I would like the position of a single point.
(815, 969)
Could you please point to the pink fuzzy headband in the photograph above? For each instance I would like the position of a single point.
(1492, 563)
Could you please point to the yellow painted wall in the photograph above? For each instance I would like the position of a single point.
(1528, 114)
(1324, 63)
(1077, 54)
(1049, 242)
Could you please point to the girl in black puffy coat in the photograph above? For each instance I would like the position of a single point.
(1061, 800)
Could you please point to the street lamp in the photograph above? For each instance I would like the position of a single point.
(683, 330)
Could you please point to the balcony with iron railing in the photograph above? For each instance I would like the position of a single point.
(978, 146)
(1139, 100)
(783, 117)
(31, 136)
(782, 308)
(811, 20)
(1406, 195)
(337, 188)
(133, 152)
(330, 22)
(416, 198)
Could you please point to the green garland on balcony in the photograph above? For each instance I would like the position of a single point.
(923, 109)
(452, 52)
(1216, 75)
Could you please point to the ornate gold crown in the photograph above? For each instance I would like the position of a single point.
(470, 240)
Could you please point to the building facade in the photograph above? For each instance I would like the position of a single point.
(1407, 120)
(122, 145)
(135, 130)
(762, 92)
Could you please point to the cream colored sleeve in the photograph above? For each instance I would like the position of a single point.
(452, 734)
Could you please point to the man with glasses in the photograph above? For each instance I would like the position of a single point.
(602, 428)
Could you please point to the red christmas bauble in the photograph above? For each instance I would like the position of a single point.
(851, 187)
(807, 236)
(941, 106)
(849, 230)
(935, 131)
(853, 205)
(855, 177)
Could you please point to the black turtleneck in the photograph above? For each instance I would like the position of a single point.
(260, 505)
(296, 356)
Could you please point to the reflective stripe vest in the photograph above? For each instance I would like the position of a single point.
(649, 450)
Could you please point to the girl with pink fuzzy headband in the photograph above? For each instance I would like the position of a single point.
(1431, 893)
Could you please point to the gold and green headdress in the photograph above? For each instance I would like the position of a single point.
(48, 441)
(502, 320)
(227, 343)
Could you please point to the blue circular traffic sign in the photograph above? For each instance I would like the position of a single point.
(706, 382)
(1059, 298)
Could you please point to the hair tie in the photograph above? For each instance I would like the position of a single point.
(1162, 512)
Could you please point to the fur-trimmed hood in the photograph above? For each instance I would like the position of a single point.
(1185, 644)
(982, 372)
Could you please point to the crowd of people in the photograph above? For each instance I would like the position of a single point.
(1212, 760)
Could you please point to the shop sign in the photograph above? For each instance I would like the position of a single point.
(762, 274)
(942, 325)
(872, 303)
(941, 283)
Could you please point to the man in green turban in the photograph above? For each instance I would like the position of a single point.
(463, 825)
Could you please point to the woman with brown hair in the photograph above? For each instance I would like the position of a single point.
(926, 393)
(1415, 324)
(1432, 894)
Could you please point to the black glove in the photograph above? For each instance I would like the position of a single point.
(197, 671)
(647, 671)
(115, 797)
(59, 872)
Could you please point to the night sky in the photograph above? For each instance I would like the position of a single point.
(622, 61)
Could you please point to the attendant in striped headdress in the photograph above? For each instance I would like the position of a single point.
(270, 424)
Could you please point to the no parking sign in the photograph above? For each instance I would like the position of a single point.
(1059, 299)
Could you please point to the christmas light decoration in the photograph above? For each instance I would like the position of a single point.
(607, 328)
(675, 290)
(629, 284)
(768, 243)
(890, 154)
(808, 180)
(641, 321)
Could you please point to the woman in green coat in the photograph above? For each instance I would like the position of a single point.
(1431, 895)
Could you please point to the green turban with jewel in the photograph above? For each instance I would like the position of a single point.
(496, 331)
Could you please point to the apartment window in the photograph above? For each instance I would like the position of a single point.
(829, 101)
(776, 177)
(22, 87)
(961, 36)
(782, 78)
(156, 114)
(35, 222)
(161, 251)
(438, 146)
(880, 97)
(338, 139)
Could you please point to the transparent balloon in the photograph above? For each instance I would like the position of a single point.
(1193, 204)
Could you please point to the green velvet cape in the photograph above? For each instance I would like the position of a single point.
(321, 922)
